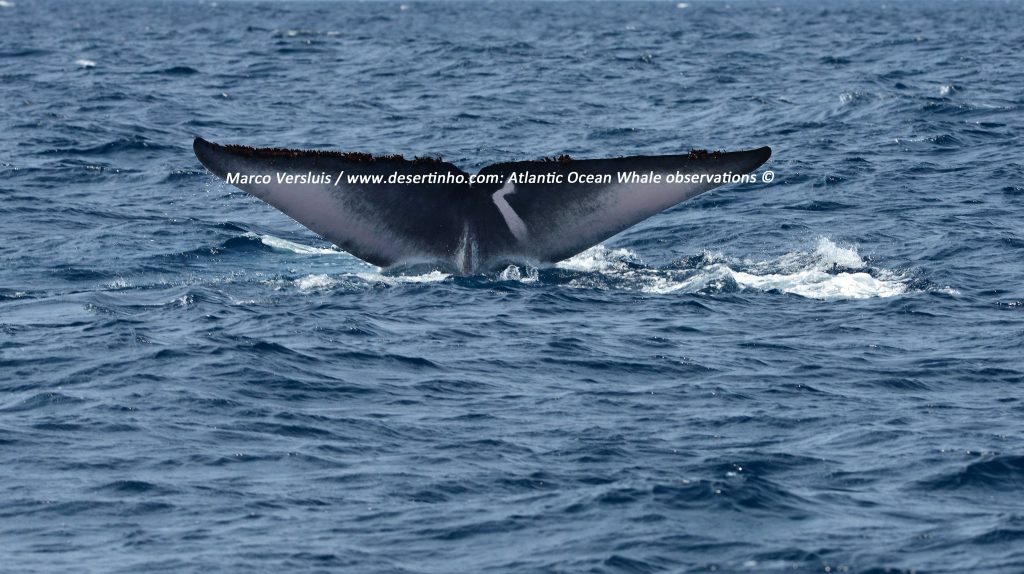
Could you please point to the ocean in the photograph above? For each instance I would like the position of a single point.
(818, 374)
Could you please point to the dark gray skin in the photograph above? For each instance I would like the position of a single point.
(468, 228)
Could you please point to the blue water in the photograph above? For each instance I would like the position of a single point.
(820, 374)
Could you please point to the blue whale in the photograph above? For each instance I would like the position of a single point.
(391, 211)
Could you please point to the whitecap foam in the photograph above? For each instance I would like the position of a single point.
(315, 282)
(120, 283)
(322, 282)
(432, 277)
(6, 4)
(83, 63)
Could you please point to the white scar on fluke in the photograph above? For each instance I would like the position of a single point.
(468, 227)
(465, 254)
(512, 220)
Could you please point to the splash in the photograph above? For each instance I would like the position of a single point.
(810, 283)
(521, 274)
(829, 272)
(600, 259)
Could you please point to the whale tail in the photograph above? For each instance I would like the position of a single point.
(388, 210)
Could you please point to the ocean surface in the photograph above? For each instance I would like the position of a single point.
(824, 373)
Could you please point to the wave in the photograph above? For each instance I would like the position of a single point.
(175, 71)
(991, 472)
(290, 246)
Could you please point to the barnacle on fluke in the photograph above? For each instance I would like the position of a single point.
(703, 154)
(355, 157)
(563, 159)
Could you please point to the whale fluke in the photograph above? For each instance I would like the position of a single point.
(388, 210)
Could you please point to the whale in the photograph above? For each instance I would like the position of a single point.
(394, 212)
